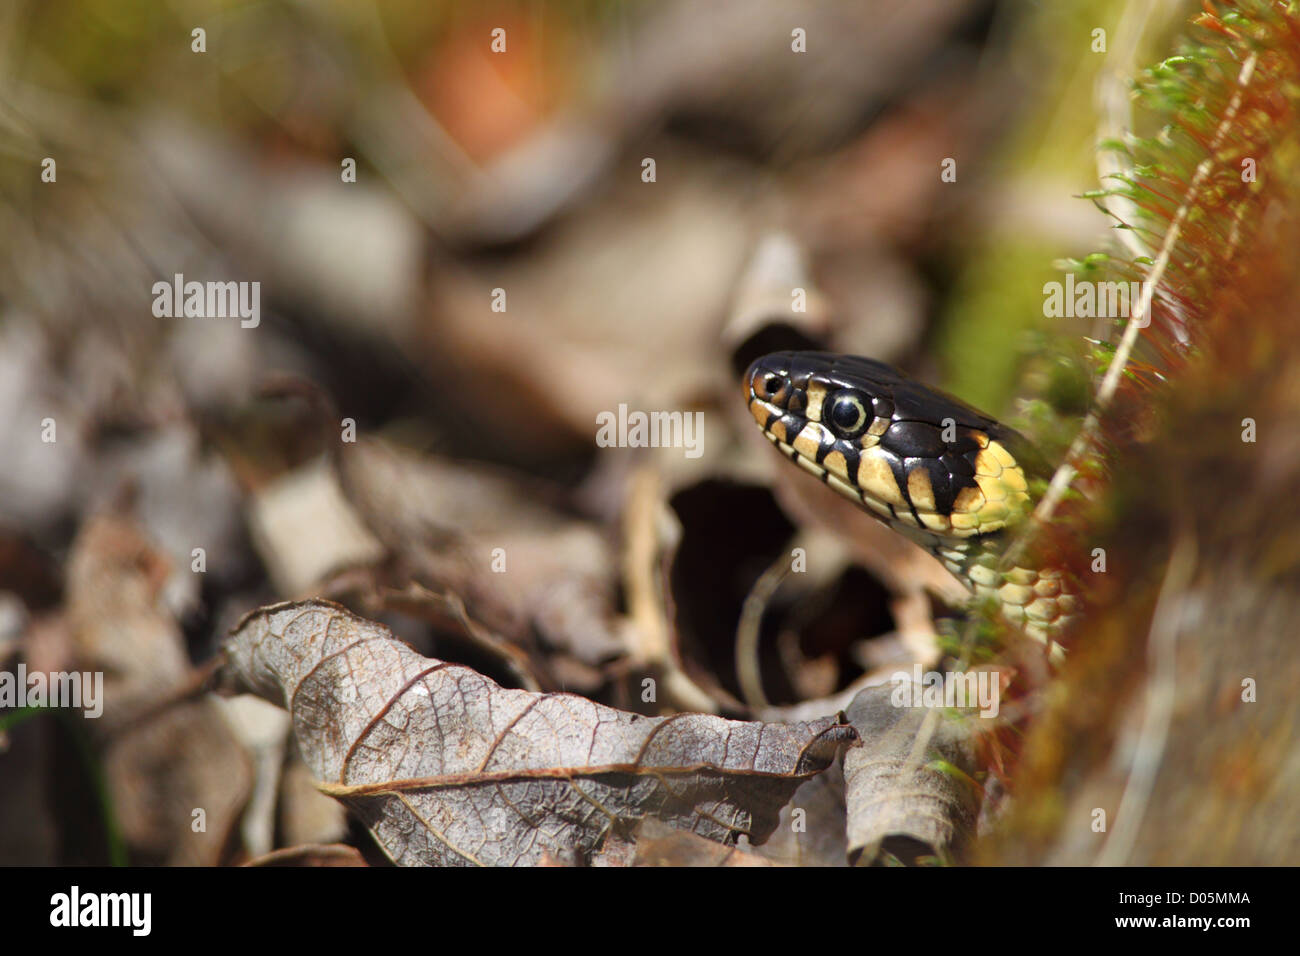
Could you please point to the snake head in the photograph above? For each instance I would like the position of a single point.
(909, 454)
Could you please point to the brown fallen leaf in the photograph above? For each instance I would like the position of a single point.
(447, 767)
(904, 805)
(812, 829)
(162, 771)
(117, 614)
(311, 855)
(164, 756)
(523, 568)
(660, 845)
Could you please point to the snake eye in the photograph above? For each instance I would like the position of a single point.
(848, 415)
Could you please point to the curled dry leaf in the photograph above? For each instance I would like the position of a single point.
(447, 767)
(904, 805)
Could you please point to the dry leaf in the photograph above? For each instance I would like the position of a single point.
(447, 767)
(161, 771)
(812, 829)
(158, 769)
(118, 616)
(452, 523)
(311, 855)
(304, 528)
(660, 845)
(897, 808)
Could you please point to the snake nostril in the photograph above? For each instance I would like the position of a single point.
(771, 384)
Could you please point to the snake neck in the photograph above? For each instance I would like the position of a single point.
(1036, 599)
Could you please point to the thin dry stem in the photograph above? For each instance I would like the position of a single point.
(1162, 650)
(1068, 470)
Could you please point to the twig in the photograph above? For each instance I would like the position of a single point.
(1114, 106)
(748, 669)
(646, 601)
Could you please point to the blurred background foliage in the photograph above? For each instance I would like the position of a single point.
(295, 80)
